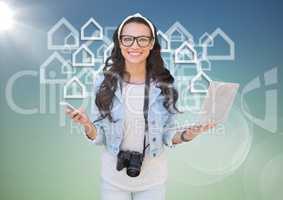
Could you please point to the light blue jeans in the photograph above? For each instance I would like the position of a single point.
(110, 192)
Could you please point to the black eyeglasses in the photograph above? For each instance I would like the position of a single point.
(142, 41)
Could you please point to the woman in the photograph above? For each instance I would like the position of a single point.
(135, 107)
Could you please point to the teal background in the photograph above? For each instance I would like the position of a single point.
(41, 160)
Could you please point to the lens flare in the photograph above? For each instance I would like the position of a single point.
(6, 17)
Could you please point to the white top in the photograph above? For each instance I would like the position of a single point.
(154, 170)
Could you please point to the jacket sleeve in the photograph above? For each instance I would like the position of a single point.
(169, 131)
(95, 115)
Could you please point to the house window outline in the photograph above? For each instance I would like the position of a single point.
(227, 39)
(62, 22)
(74, 96)
(42, 71)
(179, 50)
(82, 48)
(90, 22)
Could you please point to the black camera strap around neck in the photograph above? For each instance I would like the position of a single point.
(145, 110)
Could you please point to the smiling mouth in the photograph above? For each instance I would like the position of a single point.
(133, 53)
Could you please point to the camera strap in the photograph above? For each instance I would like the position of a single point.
(145, 110)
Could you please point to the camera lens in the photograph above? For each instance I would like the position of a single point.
(135, 164)
(133, 172)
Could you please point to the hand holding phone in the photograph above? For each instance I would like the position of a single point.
(76, 114)
(68, 106)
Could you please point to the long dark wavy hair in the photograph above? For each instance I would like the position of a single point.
(115, 71)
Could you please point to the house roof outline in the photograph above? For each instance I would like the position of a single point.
(91, 21)
(196, 78)
(205, 37)
(81, 64)
(164, 36)
(178, 51)
(74, 96)
(50, 59)
(177, 26)
(72, 30)
(227, 39)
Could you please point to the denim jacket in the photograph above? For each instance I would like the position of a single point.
(159, 122)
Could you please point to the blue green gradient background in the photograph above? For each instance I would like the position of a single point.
(40, 160)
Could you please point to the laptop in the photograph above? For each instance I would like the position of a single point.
(216, 105)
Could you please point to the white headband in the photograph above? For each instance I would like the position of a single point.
(136, 15)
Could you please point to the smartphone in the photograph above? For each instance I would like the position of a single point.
(67, 105)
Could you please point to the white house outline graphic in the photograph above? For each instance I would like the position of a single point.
(179, 51)
(227, 39)
(73, 31)
(205, 37)
(164, 37)
(82, 64)
(74, 96)
(90, 22)
(177, 26)
(195, 79)
(50, 59)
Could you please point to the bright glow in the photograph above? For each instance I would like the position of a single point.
(6, 17)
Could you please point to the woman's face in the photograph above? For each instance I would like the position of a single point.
(135, 50)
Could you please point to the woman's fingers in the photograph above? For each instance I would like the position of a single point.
(77, 115)
(201, 128)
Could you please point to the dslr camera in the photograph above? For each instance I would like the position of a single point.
(132, 160)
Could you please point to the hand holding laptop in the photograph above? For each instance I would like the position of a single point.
(215, 109)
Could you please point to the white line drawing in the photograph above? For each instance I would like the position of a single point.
(96, 46)
(204, 65)
(188, 102)
(168, 61)
(205, 37)
(270, 120)
(107, 52)
(78, 90)
(87, 56)
(74, 34)
(86, 75)
(50, 78)
(68, 41)
(185, 54)
(226, 38)
(100, 51)
(197, 86)
(97, 33)
(178, 33)
(163, 41)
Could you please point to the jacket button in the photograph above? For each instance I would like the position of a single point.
(153, 122)
(154, 154)
(154, 139)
